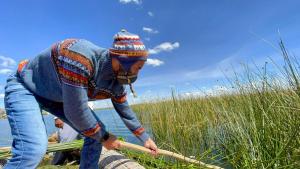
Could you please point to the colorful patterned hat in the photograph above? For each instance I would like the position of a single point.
(128, 48)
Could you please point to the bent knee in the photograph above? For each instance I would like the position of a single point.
(28, 157)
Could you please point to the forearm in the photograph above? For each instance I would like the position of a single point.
(130, 120)
(80, 115)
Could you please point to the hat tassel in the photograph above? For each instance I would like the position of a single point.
(131, 88)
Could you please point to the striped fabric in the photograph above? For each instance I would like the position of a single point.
(72, 68)
(128, 46)
(139, 131)
(105, 94)
(21, 65)
(91, 131)
(101, 94)
(120, 99)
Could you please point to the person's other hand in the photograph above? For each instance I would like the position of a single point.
(112, 143)
(152, 146)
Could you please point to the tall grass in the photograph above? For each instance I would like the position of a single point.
(256, 125)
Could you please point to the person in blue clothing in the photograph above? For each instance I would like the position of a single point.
(61, 80)
(65, 134)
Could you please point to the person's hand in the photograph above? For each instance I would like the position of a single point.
(152, 146)
(112, 143)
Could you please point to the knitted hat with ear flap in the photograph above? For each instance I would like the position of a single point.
(128, 48)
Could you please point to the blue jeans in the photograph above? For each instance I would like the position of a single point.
(23, 109)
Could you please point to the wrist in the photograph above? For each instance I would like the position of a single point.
(144, 137)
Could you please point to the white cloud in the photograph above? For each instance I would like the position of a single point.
(138, 2)
(7, 61)
(154, 62)
(213, 71)
(5, 71)
(166, 46)
(150, 30)
(234, 63)
(150, 14)
(1, 96)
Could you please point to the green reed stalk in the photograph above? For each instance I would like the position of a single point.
(51, 148)
(256, 125)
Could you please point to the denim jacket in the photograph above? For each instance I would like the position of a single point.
(75, 71)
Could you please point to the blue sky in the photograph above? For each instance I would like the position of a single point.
(190, 41)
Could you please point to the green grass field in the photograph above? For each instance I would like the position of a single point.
(255, 125)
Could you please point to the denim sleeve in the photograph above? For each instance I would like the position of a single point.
(77, 111)
(130, 119)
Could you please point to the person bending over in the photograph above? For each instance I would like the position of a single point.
(61, 80)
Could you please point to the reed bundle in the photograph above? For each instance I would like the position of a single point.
(5, 151)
